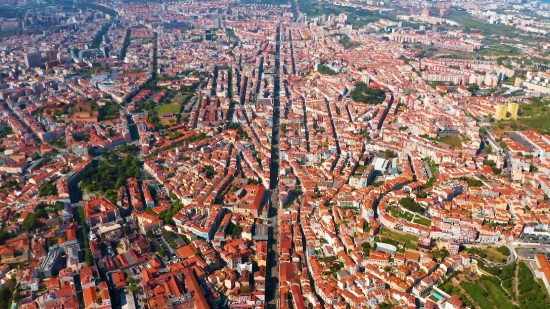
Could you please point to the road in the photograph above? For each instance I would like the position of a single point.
(272, 281)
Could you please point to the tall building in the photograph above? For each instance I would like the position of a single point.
(513, 109)
(217, 23)
(500, 111)
(33, 59)
(506, 111)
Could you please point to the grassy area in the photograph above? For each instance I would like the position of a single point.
(435, 299)
(422, 221)
(397, 212)
(271, 2)
(493, 255)
(539, 123)
(358, 18)
(534, 109)
(403, 237)
(472, 25)
(169, 108)
(531, 293)
(348, 43)
(499, 297)
(477, 293)
(498, 50)
(453, 141)
(541, 283)
(433, 170)
(360, 169)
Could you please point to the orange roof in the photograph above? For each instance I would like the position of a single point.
(186, 251)
(118, 279)
(90, 296)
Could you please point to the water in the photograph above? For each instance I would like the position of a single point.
(439, 297)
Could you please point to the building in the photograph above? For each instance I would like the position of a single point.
(100, 211)
(146, 221)
(15, 250)
(500, 111)
(33, 59)
(543, 270)
(261, 232)
(253, 200)
(506, 111)
(52, 264)
(217, 23)
(513, 109)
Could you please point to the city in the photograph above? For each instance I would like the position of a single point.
(274, 154)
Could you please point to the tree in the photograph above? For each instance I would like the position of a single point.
(361, 93)
(32, 222)
(245, 289)
(390, 154)
(133, 287)
(504, 250)
(410, 204)
(129, 279)
(209, 171)
(150, 234)
(48, 189)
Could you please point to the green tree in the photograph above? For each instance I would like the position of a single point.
(361, 93)
(133, 287)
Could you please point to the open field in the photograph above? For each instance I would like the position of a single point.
(498, 295)
(540, 123)
(536, 116)
(410, 240)
(477, 293)
(169, 108)
(471, 24)
(360, 169)
(453, 141)
(493, 255)
(422, 221)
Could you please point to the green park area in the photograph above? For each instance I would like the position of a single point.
(392, 237)
(453, 141)
(169, 108)
(325, 70)
(478, 294)
(472, 25)
(110, 174)
(422, 221)
(397, 212)
(497, 288)
(491, 254)
(531, 293)
(348, 43)
(536, 116)
(357, 17)
(362, 93)
(485, 292)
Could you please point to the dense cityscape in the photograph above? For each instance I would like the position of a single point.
(274, 154)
